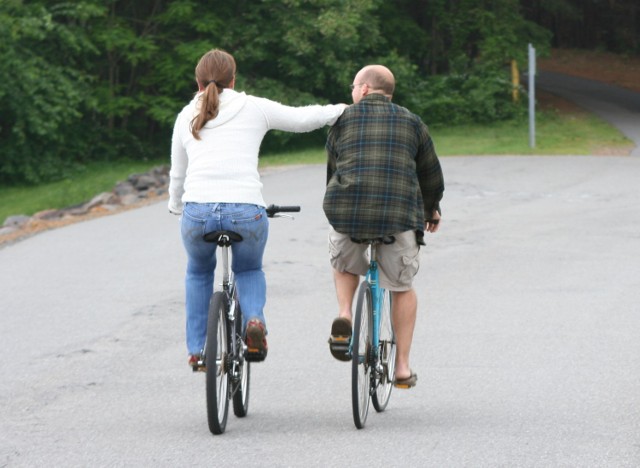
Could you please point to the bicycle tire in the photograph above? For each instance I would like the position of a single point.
(386, 355)
(360, 360)
(241, 393)
(216, 352)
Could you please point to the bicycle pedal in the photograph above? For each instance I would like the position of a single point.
(255, 355)
(339, 339)
(199, 368)
(343, 347)
(340, 343)
(340, 347)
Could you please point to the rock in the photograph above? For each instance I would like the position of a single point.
(78, 210)
(105, 198)
(124, 188)
(129, 199)
(143, 181)
(8, 230)
(16, 221)
(48, 214)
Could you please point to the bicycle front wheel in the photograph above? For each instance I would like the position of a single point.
(386, 355)
(243, 370)
(216, 352)
(361, 352)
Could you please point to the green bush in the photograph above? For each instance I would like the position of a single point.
(481, 96)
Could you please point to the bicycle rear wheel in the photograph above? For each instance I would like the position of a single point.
(216, 352)
(386, 355)
(360, 365)
(241, 390)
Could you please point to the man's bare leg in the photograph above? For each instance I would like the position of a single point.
(404, 310)
(346, 285)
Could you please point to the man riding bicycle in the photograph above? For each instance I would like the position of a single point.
(383, 179)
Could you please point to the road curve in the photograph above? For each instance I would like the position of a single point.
(616, 105)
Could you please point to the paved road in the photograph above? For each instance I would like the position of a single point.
(618, 106)
(527, 342)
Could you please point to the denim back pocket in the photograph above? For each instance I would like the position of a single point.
(251, 214)
(198, 211)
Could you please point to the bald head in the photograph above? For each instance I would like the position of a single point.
(379, 78)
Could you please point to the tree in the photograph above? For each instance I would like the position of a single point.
(461, 49)
(589, 24)
(43, 89)
(103, 79)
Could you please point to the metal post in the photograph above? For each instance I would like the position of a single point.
(532, 96)
(515, 81)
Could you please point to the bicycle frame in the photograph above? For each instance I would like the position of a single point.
(377, 293)
(229, 288)
(376, 299)
(372, 346)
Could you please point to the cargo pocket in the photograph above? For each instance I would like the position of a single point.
(409, 268)
(334, 253)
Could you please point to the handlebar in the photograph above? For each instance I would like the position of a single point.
(272, 210)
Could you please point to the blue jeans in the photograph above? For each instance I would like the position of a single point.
(251, 222)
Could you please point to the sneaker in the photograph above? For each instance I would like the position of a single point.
(256, 341)
(196, 363)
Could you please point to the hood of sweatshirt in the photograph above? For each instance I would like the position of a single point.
(231, 102)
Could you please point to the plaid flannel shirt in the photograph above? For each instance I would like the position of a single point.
(383, 174)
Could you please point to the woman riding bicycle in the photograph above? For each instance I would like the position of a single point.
(215, 185)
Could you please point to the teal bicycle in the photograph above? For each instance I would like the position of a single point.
(373, 344)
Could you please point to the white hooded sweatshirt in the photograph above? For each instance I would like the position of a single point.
(222, 167)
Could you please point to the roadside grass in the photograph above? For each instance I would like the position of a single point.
(574, 133)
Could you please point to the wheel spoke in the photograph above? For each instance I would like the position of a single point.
(243, 368)
(387, 356)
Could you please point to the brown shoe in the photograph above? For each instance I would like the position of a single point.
(256, 341)
(196, 363)
(407, 383)
(340, 339)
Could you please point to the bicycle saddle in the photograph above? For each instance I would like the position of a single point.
(378, 240)
(222, 238)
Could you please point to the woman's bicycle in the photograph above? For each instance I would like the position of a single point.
(226, 357)
(373, 344)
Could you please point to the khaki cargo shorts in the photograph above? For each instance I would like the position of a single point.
(398, 263)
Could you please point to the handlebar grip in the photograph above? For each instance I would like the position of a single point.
(273, 209)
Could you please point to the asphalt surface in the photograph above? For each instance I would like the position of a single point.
(616, 105)
(526, 345)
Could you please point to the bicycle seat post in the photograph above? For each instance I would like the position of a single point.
(372, 272)
(223, 239)
(373, 251)
(225, 244)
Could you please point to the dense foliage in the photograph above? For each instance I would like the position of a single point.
(612, 25)
(103, 79)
